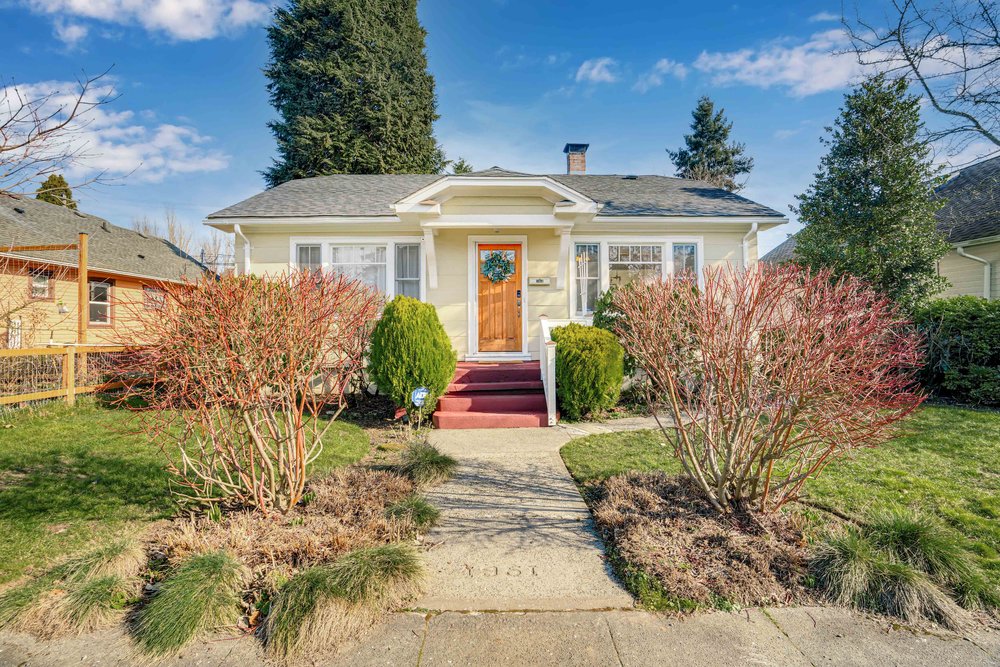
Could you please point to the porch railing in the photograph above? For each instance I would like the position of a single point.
(547, 361)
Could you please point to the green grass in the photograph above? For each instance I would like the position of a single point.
(71, 475)
(947, 463)
(425, 465)
(416, 509)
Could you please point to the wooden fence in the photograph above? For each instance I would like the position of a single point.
(40, 373)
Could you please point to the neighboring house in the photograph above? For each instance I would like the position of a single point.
(970, 220)
(564, 239)
(39, 290)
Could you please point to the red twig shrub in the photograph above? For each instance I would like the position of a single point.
(770, 374)
(241, 367)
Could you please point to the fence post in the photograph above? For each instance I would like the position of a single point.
(69, 374)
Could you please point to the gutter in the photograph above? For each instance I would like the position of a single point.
(246, 248)
(987, 270)
(746, 243)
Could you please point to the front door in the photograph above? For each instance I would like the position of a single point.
(499, 297)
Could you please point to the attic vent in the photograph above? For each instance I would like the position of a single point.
(143, 235)
(19, 210)
(630, 177)
(78, 214)
(142, 256)
(105, 226)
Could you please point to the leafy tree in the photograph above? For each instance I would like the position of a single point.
(350, 83)
(870, 211)
(55, 190)
(707, 154)
(461, 166)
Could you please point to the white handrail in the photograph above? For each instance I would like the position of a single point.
(547, 361)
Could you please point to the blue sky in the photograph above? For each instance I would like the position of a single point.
(516, 79)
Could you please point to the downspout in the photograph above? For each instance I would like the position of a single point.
(987, 270)
(246, 248)
(746, 244)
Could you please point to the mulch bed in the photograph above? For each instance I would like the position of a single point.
(662, 525)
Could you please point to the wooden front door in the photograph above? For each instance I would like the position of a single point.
(500, 303)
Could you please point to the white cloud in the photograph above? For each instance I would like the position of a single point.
(177, 19)
(812, 67)
(70, 34)
(654, 77)
(598, 70)
(782, 135)
(823, 17)
(116, 143)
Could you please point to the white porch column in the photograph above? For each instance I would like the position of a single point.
(431, 258)
(564, 239)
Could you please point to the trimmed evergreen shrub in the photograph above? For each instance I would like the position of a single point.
(963, 348)
(589, 370)
(609, 318)
(410, 349)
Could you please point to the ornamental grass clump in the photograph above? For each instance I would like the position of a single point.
(323, 605)
(202, 594)
(903, 564)
(768, 375)
(423, 463)
(416, 510)
(237, 371)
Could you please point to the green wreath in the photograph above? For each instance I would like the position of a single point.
(496, 267)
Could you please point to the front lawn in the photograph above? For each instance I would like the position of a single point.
(947, 463)
(70, 475)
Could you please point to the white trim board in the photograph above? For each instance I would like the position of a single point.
(472, 346)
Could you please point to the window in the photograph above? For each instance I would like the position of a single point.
(153, 299)
(630, 262)
(100, 301)
(41, 285)
(309, 257)
(360, 262)
(588, 277)
(685, 258)
(408, 270)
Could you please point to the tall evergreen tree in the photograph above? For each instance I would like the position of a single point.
(707, 154)
(55, 190)
(870, 211)
(350, 83)
(461, 166)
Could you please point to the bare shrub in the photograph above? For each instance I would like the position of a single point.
(241, 369)
(768, 375)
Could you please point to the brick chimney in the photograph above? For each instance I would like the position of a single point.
(576, 158)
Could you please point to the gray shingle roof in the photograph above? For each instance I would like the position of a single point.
(372, 195)
(972, 209)
(110, 248)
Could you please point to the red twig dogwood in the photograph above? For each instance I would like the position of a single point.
(768, 375)
(236, 370)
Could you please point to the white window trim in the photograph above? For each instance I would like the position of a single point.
(390, 243)
(667, 258)
(90, 301)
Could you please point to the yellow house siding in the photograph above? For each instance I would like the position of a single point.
(496, 205)
(966, 275)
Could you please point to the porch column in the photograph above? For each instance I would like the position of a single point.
(564, 239)
(431, 258)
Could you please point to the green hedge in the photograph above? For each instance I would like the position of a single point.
(589, 370)
(963, 348)
(410, 349)
(608, 317)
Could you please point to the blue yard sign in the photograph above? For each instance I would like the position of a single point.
(418, 396)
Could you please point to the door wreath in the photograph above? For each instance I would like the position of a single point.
(498, 265)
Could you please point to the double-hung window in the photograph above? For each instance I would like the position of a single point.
(391, 267)
(40, 285)
(588, 277)
(685, 256)
(100, 301)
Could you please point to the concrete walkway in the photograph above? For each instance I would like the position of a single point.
(514, 532)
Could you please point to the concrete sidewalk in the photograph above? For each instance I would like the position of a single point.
(514, 532)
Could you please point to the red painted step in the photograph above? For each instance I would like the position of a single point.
(492, 402)
(528, 385)
(447, 420)
(481, 373)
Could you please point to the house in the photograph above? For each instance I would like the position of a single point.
(567, 238)
(39, 290)
(496, 252)
(970, 221)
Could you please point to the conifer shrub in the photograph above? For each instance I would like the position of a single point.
(410, 349)
(589, 370)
